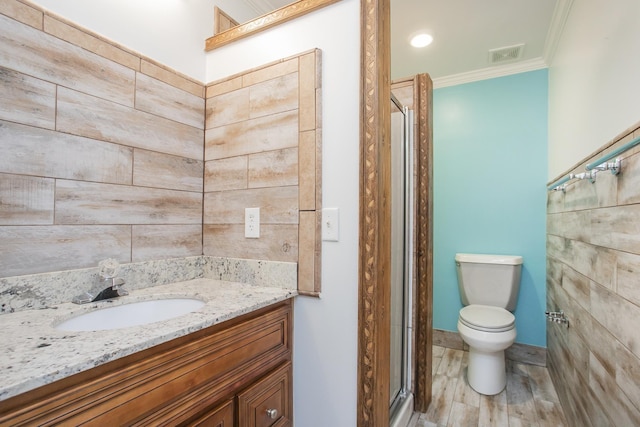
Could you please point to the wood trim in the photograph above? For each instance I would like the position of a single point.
(263, 22)
(423, 104)
(222, 21)
(374, 217)
(375, 246)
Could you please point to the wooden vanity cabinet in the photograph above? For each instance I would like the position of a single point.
(266, 403)
(221, 416)
(237, 373)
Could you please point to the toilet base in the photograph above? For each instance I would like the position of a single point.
(487, 371)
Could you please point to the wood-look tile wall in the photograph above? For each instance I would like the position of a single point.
(263, 149)
(101, 150)
(593, 274)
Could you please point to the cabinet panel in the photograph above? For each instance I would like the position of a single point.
(267, 402)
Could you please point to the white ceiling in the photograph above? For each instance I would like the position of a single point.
(263, 7)
(464, 31)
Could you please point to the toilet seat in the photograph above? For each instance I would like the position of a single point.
(487, 318)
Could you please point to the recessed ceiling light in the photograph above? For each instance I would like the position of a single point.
(421, 40)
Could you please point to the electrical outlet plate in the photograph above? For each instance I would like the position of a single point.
(252, 223)
(330, 224)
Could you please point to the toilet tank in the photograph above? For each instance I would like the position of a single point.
(489, 279)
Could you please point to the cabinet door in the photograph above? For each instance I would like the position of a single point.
(222, 416)
(267, 403)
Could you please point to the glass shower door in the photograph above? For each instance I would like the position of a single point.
(401, 184)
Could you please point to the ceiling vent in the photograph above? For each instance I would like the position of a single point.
(504, 54)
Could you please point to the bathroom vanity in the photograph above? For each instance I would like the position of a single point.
(227, 364)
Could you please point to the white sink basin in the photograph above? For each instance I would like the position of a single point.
(131, 314)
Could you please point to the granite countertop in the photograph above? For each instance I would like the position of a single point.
(35, 354)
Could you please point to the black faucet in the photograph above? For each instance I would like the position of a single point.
(113, 289)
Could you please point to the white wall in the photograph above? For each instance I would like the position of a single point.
(593, 80)
(172, 32)
(325, 338)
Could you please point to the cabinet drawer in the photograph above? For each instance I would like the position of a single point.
(222, 416)
(267, 402)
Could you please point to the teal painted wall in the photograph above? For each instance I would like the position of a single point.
(490, 173)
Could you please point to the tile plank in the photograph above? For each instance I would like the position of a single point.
(520, 398)
(22, 12)
(252, 136)
(27, 100)
(448, 339)
(586, 195)
(595, 262)
(274, 96)
(174, 78)
(541, 385)
(37, 54)
(274, 169)
(26, 200)
(618, 407)
(627, 372)
(41, 249)
(627, 273)
(152, 169)
(616, 228)
(33, 151)
(451, 363)
(629, 181)
(89, 41)
(93, 203)
(226, 174)
(277, 242)
(608, 308)
(306, 251)
(308, 104)
(464, 393)
(307, 170)
(224, 86)
(269, 72)
(529, 354)
(443, 391)
(463, 415)
(157, 97)
(493, 410)
(151, 242)
(550, 414)
(278, 205)
(84, 115)
(227, 108)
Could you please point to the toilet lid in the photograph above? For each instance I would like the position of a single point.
(487, 318)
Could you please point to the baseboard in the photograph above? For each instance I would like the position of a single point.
(448, 339)
(521, 353)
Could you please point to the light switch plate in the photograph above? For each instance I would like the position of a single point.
(331, 224)
(252, 223)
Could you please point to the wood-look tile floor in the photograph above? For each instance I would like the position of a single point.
(529, 399)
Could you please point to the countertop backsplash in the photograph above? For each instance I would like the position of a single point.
(39, 291)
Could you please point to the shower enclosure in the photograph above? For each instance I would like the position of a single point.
(401, 398)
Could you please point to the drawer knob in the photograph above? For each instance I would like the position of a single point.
(272, 413)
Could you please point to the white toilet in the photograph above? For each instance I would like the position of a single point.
(489, 286)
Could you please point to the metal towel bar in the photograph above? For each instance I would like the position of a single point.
(596, 166)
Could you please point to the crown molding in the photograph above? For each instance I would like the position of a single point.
(490, 73)
(556, 27)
